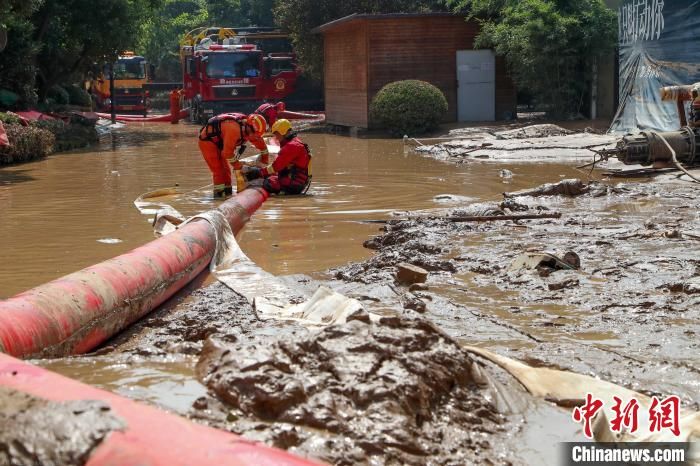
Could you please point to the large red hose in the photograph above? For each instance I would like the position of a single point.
(151, 437)
(319, 116)
(302, 115)
(75, 313)
(147, 119)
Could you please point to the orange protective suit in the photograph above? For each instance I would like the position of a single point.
(219, 150)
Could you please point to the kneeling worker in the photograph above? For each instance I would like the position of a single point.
(218, 141)
(290, 172)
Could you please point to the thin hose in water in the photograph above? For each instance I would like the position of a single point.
(673, 157)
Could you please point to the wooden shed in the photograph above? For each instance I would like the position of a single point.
(364, 52)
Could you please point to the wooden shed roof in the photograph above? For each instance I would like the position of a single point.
(369, 16)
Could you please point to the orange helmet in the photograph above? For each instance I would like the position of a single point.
(257, 122)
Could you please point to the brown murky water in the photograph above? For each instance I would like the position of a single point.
(75, 209)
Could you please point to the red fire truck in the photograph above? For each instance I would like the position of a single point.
(235, 69)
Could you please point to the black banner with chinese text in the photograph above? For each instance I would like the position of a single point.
(659, 47)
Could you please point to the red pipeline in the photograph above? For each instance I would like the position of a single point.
(75, 313)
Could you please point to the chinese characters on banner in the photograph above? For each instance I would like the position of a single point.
(640, 20)
(663, 414)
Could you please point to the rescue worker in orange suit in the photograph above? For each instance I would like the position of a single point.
(290, 172)
(218, 140)
(270, 112)
(175, 101)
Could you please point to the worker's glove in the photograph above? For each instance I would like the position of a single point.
(241, 150)
(252, 173)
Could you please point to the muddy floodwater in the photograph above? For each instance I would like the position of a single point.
(629, 315)
(75, 209)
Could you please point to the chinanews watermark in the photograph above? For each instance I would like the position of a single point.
(655, 417)
(617, 454)
(662, 415)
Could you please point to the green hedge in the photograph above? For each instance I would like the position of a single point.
(44, 137)
(160, 100)
(408, 107)
(26, 143)
(74, 135)
(58, 95)
(78, 96)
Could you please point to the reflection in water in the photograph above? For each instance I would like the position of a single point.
(168, 384)
(363, 179)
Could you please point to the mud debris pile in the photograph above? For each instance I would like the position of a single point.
(635, 244)
(571, 187)
(399, 391)
(530, 143)
(38, 431)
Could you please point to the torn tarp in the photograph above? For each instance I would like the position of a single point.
(658, 47)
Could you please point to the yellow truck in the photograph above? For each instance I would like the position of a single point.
(131, 73)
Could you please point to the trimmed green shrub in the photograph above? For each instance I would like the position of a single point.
(78, 96)
(26, 143)
(69, 136)
(58, 95)
(160, 100)
(408, 107)
(57, 127)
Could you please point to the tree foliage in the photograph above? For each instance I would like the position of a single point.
(76, 33)
(16, 61)
(162, 32)
(54, 42)
(550, 45)
(300, 17)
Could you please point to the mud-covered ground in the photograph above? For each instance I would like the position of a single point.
(402, 390)
(37, 431)
(628, 315)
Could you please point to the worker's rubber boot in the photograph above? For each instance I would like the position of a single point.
(241, 182)
(219, 191)
(228, 191)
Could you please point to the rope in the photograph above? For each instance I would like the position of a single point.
(693, 148)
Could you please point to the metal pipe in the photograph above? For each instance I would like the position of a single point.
(646, 148)
(75, 313)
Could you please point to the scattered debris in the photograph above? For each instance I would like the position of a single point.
(533, 131)
(495, 218)
(109, 240)
(569, 283)
(570, 187)
(533, 261)
(410, 274)
(418, 287)
(538, 142)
